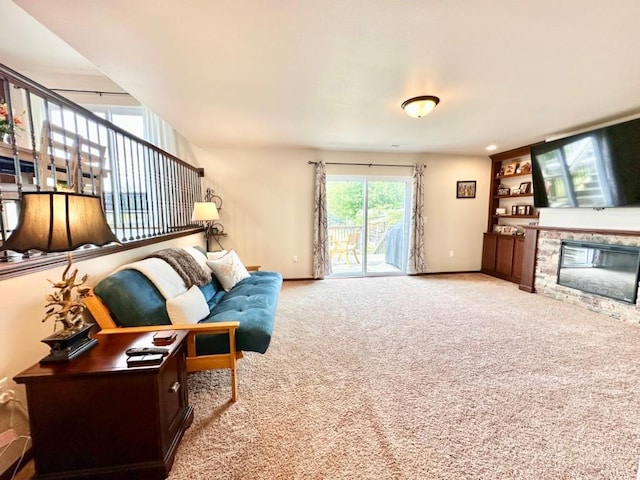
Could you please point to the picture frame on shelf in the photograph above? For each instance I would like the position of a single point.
(503, 190)
(514, 210)
(511, 168)
(525, 187)
(466, 189)
(509, 230)
(525, 167)
(524, 209)
(516, 191)
(501, 211)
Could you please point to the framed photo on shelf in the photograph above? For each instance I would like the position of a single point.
(501, 211)
(502, 190)
(466, 189)
(525, 167)
(514, 210)
(511, 168)
(525, 187)
(524, 209)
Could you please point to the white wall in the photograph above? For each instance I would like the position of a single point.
(607, 219)
(268, 203)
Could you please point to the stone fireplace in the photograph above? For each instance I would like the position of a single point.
(585, 289)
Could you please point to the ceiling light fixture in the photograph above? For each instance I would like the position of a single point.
(417, 107)
(491, 148)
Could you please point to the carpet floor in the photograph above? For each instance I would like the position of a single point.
(432, 377)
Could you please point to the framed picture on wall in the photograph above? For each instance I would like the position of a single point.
(466, 189)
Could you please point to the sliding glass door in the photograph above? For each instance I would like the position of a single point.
(368, 225)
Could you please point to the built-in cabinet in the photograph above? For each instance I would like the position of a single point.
(511, 209)
(502, 256)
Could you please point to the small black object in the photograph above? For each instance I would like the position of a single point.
(139, 351)
(148, 359)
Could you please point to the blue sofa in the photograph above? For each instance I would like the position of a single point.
(240, 320)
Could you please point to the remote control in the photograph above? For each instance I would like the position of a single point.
(137, 351)
(142, 360)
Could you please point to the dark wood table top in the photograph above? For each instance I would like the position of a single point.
(106, 358)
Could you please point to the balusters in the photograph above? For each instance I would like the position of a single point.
(145, 191)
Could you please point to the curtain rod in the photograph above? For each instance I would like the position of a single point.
(363, 164)
(92, 92)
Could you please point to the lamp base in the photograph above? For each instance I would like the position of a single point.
(65, 348)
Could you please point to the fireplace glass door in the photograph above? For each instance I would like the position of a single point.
(603, 269)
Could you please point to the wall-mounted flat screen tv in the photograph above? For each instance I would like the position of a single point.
(596, 169)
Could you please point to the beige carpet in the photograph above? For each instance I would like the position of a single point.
(432, 377)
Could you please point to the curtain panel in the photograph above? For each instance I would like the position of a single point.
(321, 258)
(417, 262)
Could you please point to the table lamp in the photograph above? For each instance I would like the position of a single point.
(61, 222)
(205, 212)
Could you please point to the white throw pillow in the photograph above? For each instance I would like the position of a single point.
(216, 255)
(190, 307)
(228, 269)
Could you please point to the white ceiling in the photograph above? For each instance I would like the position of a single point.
(332, 73)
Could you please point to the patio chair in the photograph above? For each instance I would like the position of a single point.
(350, 245)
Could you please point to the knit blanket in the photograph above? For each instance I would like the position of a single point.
(185, 265)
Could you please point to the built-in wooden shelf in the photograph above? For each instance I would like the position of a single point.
(512, 175)
(516, 216)
(515, 195)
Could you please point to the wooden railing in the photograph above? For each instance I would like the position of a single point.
(48, 142)
(377, 230)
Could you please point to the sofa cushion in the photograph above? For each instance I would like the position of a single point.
(190, 307)
(252, 302)
(132, 299)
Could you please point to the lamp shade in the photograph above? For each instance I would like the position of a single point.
(204, 211)
(59, 222)
(417, 107)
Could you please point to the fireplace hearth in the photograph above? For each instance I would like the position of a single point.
(602, 269)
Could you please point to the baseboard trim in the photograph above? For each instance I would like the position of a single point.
(303, 279)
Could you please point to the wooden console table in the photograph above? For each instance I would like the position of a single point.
(96, 418)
